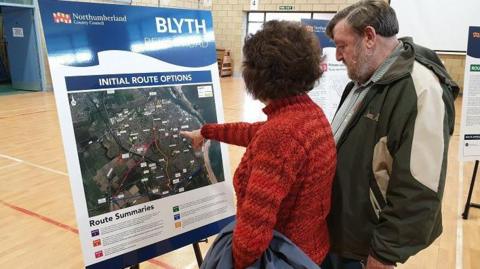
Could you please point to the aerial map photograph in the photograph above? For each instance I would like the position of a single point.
(129, 147)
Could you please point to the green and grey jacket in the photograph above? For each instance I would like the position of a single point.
(392, 161)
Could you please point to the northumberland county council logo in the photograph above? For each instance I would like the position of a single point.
(60, 17)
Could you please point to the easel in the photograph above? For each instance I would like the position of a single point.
(468, 203)
(198, 252)
(196, 249)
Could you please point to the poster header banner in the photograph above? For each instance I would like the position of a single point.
(473, 49)
(319, 27)
(177, 36)
(108, 81)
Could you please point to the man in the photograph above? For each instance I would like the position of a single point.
(392, 130)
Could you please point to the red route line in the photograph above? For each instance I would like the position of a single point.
(69, 228)
(131, 168)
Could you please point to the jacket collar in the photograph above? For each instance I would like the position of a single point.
(403, 65)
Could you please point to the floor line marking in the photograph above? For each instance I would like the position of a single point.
(70, 229)
(5, 114)
(11, 158)
(161, 264)
(46, 168)
(34, 165)
(9, 165)
(459, 250)
(38, 216)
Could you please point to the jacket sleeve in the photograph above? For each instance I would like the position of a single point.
(239, 133)
(274, 169)
(411, 218)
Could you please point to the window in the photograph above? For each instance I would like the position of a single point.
(287, 16)
(255, 20)
(18, 2)
(323, 16)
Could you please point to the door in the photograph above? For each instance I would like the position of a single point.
(19, 31)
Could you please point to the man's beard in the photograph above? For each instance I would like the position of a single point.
(359, 70)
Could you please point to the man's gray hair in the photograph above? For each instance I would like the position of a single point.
(375, 13)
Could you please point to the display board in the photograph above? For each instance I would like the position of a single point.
(127, 80)
(470, 129)
(330, 86)
(425, 22)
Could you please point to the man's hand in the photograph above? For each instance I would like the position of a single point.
(196, 138)
(373, 263)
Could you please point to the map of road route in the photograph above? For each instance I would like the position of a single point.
(130, 149)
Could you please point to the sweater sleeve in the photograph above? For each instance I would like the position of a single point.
(276, 163)
(239, 133)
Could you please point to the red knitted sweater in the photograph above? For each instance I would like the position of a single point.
(284, 179)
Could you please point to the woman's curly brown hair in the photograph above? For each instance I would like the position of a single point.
(281, 60)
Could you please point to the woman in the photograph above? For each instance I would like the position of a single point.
(283, 181)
